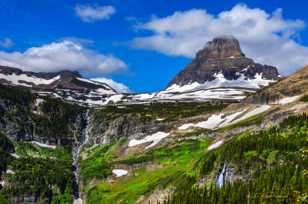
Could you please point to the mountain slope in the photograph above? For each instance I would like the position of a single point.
(67, 85)
(218, 69)
(290, 87)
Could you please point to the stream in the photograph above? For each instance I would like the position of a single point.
(75, 155)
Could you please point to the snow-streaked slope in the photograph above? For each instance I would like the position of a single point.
(44, 145)
(216, 121)
(220, 81)
(288, 100)
(25, 80)
(154, 139)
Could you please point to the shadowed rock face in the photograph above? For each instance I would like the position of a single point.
(224, 55)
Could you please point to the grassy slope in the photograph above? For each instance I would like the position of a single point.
(167, 163)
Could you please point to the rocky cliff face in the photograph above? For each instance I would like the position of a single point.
(222, 55)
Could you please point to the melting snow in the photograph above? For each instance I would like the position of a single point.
(15, 155)
(119, 172)
(214, 121)
(22, 78)
(215, 145)
(255, 111)
(44, 145)
(288, 100)
(221, 120)
(221, 81)
(114, 98)
(154, 139)
(9, 171)
(77, 201)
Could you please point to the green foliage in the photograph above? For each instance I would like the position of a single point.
(25, 149)
(276, 161)
(175, 154)
(167, 111)
(97, 165)
(39, 177)
(58, 119)
(6, 144)
(6, 147)
(304, 98)
(129, 190)
(169, 163)
(16, 95)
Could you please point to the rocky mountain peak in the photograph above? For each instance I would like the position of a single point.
(221, 48)
(223, 57)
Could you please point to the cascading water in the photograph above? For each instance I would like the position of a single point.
(75, 155)
(221, 177)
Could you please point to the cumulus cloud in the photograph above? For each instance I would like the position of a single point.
(6, 42)
(267, 37)
(119, 87)
(63, 55)
(89, 13)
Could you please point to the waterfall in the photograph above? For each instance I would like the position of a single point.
(76, 154)
(221, 177)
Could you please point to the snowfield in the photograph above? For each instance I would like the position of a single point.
(154, 139)
(119, 172)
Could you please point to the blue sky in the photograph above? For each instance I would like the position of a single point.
(145, 38)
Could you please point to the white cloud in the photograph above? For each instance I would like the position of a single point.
(268, 38)
(63, 55)
(119, 87)
(6, 42)
(89, 13)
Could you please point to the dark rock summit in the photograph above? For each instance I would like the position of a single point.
(222, 55)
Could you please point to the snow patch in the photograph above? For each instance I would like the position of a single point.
(154, 139)
(119, 172)
(114, 98)
(288, 100)
(77, 201)
(215, 145)
(9, 171)
(44, 145)
(15, 155)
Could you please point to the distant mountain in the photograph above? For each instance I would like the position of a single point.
(47, 81)
(68, 85)
(222, 64)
